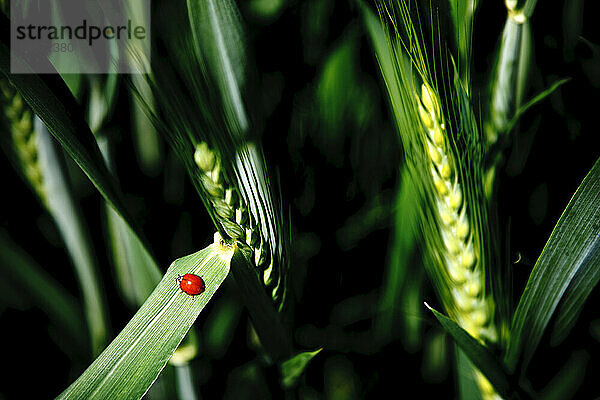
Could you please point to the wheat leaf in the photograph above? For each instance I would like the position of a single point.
(132, 362)
(292, 369)
(563, 276)
(66, 213)
(51, 100)
(219, 40)
(274, 337)
(539, 97)
(479, 355)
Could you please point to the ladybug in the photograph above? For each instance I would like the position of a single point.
(191, 284)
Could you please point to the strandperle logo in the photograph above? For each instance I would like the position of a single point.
(86, 32)
(80, 36)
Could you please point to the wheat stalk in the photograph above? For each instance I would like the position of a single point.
(21, 125)
(508, 81)
(510, 74)
(237, 221)
(35, 151)
(460, 256)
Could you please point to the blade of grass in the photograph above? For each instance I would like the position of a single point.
(292, 369)
(478, 354)
(463, 12)
(148, 146)
(132, 362)
(467, 386)
(67, 215)
(384, 57)
(51, 100)
(539, 97)
(266, 320)
(216, 29)
(137, 271)
(402, 283)
(185, 383)
(563, 276)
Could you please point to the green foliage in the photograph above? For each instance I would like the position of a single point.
(133, 360)
(404, 278)
(137, 271)
(483, 359)
(334, 228)
(563, 276)
(217, 31)
(66, 213)
(53, 103)
(293, 368)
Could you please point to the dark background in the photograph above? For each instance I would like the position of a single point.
(330, 179)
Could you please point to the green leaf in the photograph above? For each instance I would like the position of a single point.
(402, 286)
(267, 322)
(137, 271)
(462, 12)
(132, 362)
(51, 100)
(478, 354)
(468, 389)
(563, 276)
(66, 213)
(101, 101)
(293, 368)
(148, 146)
(220, 326)
(185, 383)
(219, 42)
(539, 97)
(384, 58)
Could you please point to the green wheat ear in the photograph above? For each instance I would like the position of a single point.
(443, 150)
(206, 125)
(459, 256)
(21, 126)
(234, 215)
(510, 74)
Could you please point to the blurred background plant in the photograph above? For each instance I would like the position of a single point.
(338, 254)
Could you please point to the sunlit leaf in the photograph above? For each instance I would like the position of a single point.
(481, 357)
(563, 276)
(216, 29)
(132, 362)
(69, 219)
(293, 368)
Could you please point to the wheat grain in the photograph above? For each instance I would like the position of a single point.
(21, 125)
(234, 216)
(459, 253)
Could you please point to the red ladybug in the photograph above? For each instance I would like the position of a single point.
(191, 284)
